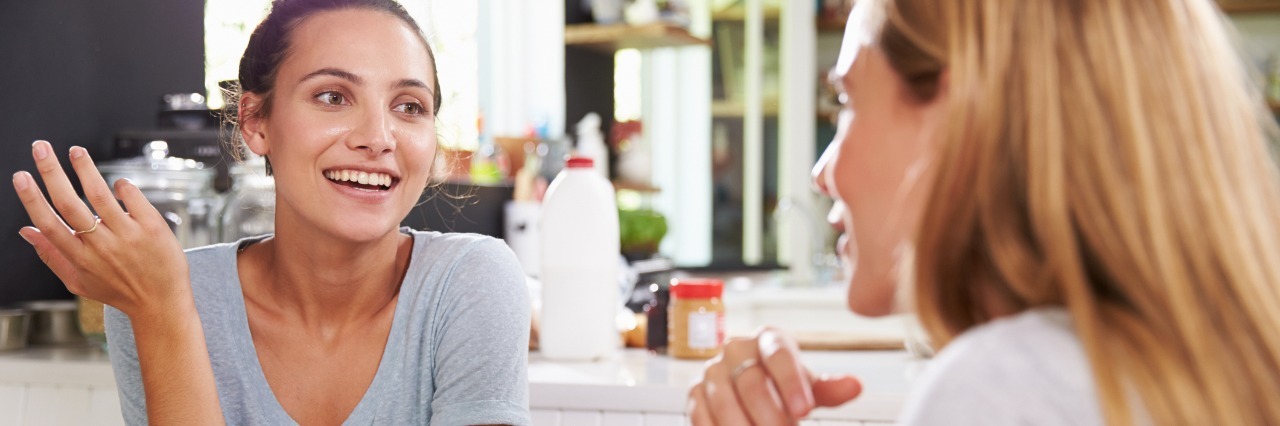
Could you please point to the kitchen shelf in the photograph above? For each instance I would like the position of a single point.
(612, 38)
(1249, 6)
(635, 186)
(740, 14)
(831, 24)
(723, 108)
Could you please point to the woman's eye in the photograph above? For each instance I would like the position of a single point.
(331, 98)
(411, 108)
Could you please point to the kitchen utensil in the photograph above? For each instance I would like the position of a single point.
(14, 327)
(53, 322)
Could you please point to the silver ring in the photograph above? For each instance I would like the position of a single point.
(96, 221)
(742, 368)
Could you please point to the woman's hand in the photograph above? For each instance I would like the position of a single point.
(760, 381)
(129, 259)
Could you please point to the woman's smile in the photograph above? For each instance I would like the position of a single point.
(365, 184)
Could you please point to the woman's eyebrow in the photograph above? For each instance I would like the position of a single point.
(336, 73)
(355, 79)
(415, 83)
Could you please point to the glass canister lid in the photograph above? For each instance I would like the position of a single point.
(155, 170)
(251, 174)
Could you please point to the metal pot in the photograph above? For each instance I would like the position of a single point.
(14, 325)
(54, 322)
(181, 189)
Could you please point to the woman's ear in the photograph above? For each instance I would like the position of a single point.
(253, 124)
(934, 109)
(943, 91)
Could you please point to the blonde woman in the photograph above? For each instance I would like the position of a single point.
(1079, 194)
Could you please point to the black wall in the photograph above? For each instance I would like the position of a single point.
(588, 82)
(75, 72)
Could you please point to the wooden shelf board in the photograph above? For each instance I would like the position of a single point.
(723, 108)
(831, 25)
(611, 38)
(740, 14)
(635, 186)
(1250, 6)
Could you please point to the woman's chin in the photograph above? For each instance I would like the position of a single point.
(871, 296)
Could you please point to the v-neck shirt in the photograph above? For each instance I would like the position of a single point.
(456, 352)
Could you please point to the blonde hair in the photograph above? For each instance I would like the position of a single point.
(1109, 157)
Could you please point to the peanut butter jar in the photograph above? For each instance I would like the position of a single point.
(696, 322)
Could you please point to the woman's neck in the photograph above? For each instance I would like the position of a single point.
(305, 275)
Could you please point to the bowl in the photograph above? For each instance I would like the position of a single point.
(14, 326)
(54, 322)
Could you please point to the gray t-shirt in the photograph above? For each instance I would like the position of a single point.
(457, 352)
(1027, 369)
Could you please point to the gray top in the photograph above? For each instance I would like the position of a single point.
(1026, 369)
(456, 354)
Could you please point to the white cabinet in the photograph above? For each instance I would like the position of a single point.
(63, 386)
(634, 388)
(45, 404)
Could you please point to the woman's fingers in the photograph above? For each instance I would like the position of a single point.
(74, 212)
(95, 188)
(760, 397)
(139, 207)
(42, 215)
(720, 392)
(53, 258)
(781, 359)
(835, 390)
(699, 412)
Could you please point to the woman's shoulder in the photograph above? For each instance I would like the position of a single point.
(452, 239)
(464, 257)
(214, 255)
(1029, 367)
(456, 246)
(465, 270)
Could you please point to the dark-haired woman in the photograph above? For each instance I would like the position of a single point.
(340, 316)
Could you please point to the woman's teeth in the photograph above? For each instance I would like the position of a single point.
(363, 178)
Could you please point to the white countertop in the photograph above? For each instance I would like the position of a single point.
(85, 365)
(636, 380)
(632, 381)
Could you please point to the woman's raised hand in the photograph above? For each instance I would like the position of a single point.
(128, 259)
(760, 381)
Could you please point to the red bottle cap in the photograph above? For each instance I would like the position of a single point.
(696, 288)
(579, 163)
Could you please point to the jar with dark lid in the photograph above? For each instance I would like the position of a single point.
(697, 318)
(656, 316)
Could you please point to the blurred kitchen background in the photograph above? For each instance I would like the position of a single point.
(713, 112)
(709, 115)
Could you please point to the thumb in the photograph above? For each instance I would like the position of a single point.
(831, 391)
(53, 258)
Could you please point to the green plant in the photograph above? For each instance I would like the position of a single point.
(641, 231)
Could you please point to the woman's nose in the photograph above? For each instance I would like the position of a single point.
(373, 134)
(820, 169)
